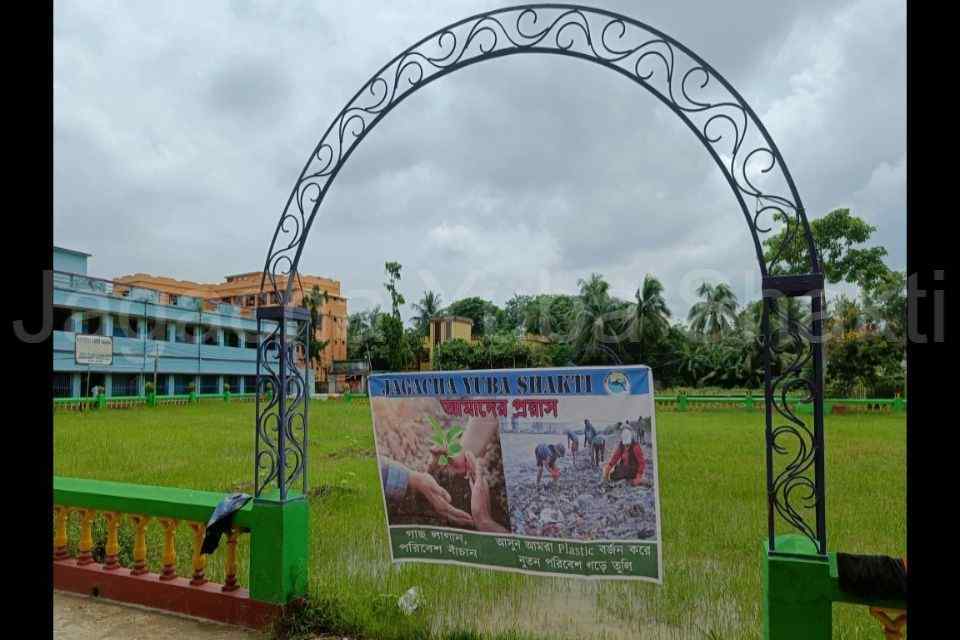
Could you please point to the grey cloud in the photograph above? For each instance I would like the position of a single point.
(509, 176)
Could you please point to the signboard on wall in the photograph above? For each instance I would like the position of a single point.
(541, 471)
(93, 350)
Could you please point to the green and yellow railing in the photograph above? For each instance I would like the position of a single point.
(273, 534)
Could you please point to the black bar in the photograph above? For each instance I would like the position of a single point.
(816, 304)
(768, 419)
(804, 284)
(278, 312)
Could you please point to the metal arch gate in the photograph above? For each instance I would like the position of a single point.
(716, 114)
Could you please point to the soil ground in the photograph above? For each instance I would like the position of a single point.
(77, 617)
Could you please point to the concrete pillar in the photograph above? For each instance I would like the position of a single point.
(75, 385)
(220, 336)
(170, 385)
(107, 321)
(108, 384)
(171, 331)
(76, 321)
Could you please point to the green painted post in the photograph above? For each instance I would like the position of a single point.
(682, 402)
(797, 589)
(748, 402)
(279, 552)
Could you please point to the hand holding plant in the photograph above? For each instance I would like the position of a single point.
(448, 451)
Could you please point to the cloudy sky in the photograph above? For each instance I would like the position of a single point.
(180, 128)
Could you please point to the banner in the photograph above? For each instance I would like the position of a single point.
(543, 471)
(92, 349)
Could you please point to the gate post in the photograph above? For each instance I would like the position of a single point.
(279, 547)
(797, 604)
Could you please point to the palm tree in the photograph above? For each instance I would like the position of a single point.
(597, 321)
(427, 309)
(648, 318)
(717, 313)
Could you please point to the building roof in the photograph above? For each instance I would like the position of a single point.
(73, 251)
(456, 318)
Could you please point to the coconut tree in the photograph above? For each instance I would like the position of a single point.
(648, 317)
(427, 309)
(597, 323)
(716, 313)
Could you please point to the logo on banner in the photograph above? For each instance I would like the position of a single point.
(616, 383)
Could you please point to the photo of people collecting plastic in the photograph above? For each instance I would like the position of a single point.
(588, 480)
(439, 470)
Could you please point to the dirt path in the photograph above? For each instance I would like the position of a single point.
(78, 617)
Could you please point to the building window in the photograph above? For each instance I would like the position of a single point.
(173, 299)
(209, 384)
(185, 333)
(88, 381)
(126, 327)
(125, 384)
(181, 384)
(156, 329)
(162, 381)
(231, 338)
(233, 381)
(62, 319)
(249, 384)
(62, 385)
(250, 340)
(210, 336)
(92, 324)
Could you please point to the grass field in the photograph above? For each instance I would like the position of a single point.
(712, 503)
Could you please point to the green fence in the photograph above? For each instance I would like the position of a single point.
(683, 402)
(126, 402)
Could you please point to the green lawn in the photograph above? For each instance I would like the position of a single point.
(712, 502)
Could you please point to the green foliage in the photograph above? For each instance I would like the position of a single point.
(487, 317)
(838, 237)
(446, 439)
(427, 308)
(716, 314)
(863, 358)
(393, 276)
(453, 355)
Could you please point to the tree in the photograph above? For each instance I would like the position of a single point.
(885, 305)
(598, 321)
(393, 275)
(515, 311)
(453, 355)
(479, 310)
(648, 318)
(839, 237)
(427, 309)
(716, 313)
(363, 335)
(314, 302)
(551, 316)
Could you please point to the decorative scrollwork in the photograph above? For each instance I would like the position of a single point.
(793, 490)
(282, 390)
(686, 84)
(689, 86)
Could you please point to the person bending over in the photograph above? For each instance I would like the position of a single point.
(627, 462)
(547, 455)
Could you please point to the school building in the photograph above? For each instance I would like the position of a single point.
(175, 331)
